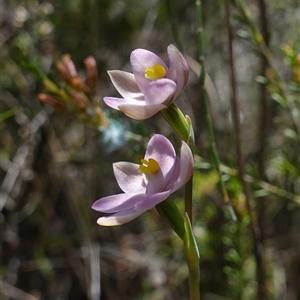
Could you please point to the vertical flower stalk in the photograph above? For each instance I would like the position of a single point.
(152, 88)
(192, 258)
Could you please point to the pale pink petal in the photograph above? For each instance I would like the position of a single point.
(140, 59)
(175, 175)
(186, 162)
(129, 178)
(156, 183)
(151, 200)
(118, 202)
(139, 111)
(179, 69)
(119, 218)
(162, 150)
(115, 103)
(125, 84)
(159, 91)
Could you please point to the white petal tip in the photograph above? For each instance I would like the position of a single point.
(119, 218)
(108, 221)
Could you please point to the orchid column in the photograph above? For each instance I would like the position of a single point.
(151, 88)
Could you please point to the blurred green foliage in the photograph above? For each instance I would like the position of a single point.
(54, 165)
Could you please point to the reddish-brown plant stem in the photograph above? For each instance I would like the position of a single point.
(263, 49)
(265, 117)
(240, 162)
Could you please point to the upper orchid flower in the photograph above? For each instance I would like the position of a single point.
(152, 86)
(159, 174)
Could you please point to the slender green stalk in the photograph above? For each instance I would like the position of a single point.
(183, 127)
(192, 259)
(204, 98)
(188, 201)
(194, 287)
(188, 192)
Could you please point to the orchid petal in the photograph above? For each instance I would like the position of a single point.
(162, 150)
(179, 69)
(156, 183)
(140, 60)
(118, 202)
(158, 91)
(143, 192)
(114, 102)
(129, 178)
(119, 218)
(151, 200)
(125, 84)
(138, 110)
(186, 163)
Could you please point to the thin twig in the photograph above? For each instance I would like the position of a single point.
(272, 189)
(262, 47)
(15, 293)
(240, 162)
(95, 271)
(264, 121)
(22, 158)
(264, 117)
(204, 98)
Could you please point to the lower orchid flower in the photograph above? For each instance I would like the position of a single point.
(160, 174)
(152, 87)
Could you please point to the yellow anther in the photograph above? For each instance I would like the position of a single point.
(149, 166)
(156, 72)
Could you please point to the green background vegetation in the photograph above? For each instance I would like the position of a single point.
(54, 166)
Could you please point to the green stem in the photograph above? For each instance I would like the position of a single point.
(204, 98)
(194, 287)
(192, 259)
(183, 127)
(188, 191)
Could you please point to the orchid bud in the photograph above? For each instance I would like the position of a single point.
(178, 121)
(51, 101)
(91, 72)
(66, 68)
(79, 100)
(69, 65)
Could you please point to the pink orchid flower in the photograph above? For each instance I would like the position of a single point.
(152, 86)
(160, 174)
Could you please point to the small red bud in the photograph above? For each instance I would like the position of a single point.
(52, 101)
(91, 72)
